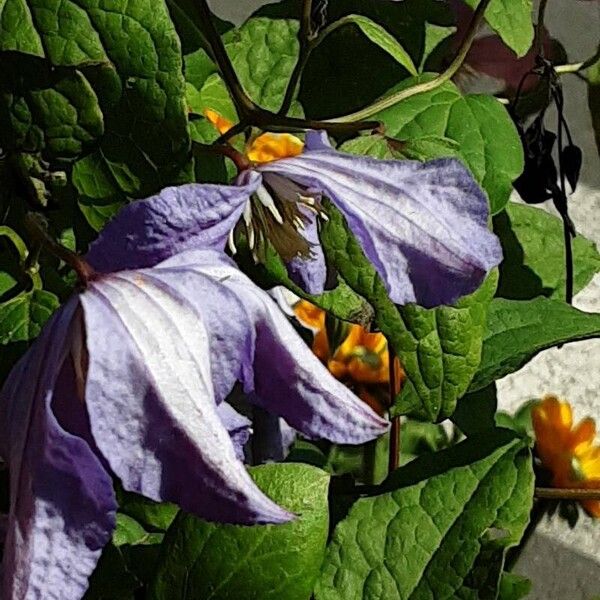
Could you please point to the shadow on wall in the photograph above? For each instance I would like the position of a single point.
(565, 573)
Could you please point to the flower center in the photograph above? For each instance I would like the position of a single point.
(280, 209)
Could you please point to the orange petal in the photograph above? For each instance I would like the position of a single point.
(592, 508)
(274, 146)
(321, 345)
(309, 315)
(583, 435)
(348, 347)
(222, 124)
(337, 369)
(362, 372)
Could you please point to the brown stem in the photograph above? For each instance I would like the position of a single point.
(240, 161)
(306, 38)
(36, 228)
(567, 493)
(394, 453)
(241, 100)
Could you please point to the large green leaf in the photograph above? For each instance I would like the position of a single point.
(517, 330)
(512, 20)
(131, 55)
(487, 139)
(22, 318)
(440, 532)
(203, 560)
(384, 39)
(264, 53)
(49, 110)
(534, 262)
(439, 348)
(347, 71)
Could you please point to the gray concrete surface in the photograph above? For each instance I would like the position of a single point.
(564, 564)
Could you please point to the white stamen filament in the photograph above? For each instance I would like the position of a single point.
(267, 201)
(231, 243)
(306, 199)
(251, 236)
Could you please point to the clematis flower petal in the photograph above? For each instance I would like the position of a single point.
(62, 500)
(422, 225)
(277, 364)
(151, 401)
(238, 426)
(310, 273)
(180, 218)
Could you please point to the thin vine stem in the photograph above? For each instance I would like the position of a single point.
(394, 450)
(567, 493)
(36, 228)
(307, 42)
(427, 86)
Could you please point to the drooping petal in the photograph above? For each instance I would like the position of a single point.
(280, 369)
(62, 500)
(310, 273)
(151, 399)
(179, 218)
(422, 225)
(238, 426)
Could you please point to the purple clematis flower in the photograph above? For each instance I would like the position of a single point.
(129, 379)
(424, 226)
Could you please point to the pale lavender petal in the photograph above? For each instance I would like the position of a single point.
(151, 400)
(310, 273)
(180, 218)
(62, 500)
(422, 225)
(280, 369)
(317, 140)
(238, 426)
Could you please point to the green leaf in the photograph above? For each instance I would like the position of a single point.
(442, 529)
(476, 412)
(384, 39)
(151, 515)
(439, 348)
(513, 587)
(264, 53)
(487, 139)
(347, 71)
(97, 215)
(512, 21)
(434, 36)
(131, 55)
(22, 318)
(420, 148)
(204, 560)
(534, 263)
(112, 577)
(517, 330)
(50, 110)
(129, 532)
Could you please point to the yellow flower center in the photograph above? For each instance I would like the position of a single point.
(264, 148)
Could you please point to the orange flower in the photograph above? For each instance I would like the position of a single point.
(567, 452)
(263, 148)
(360, 359)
